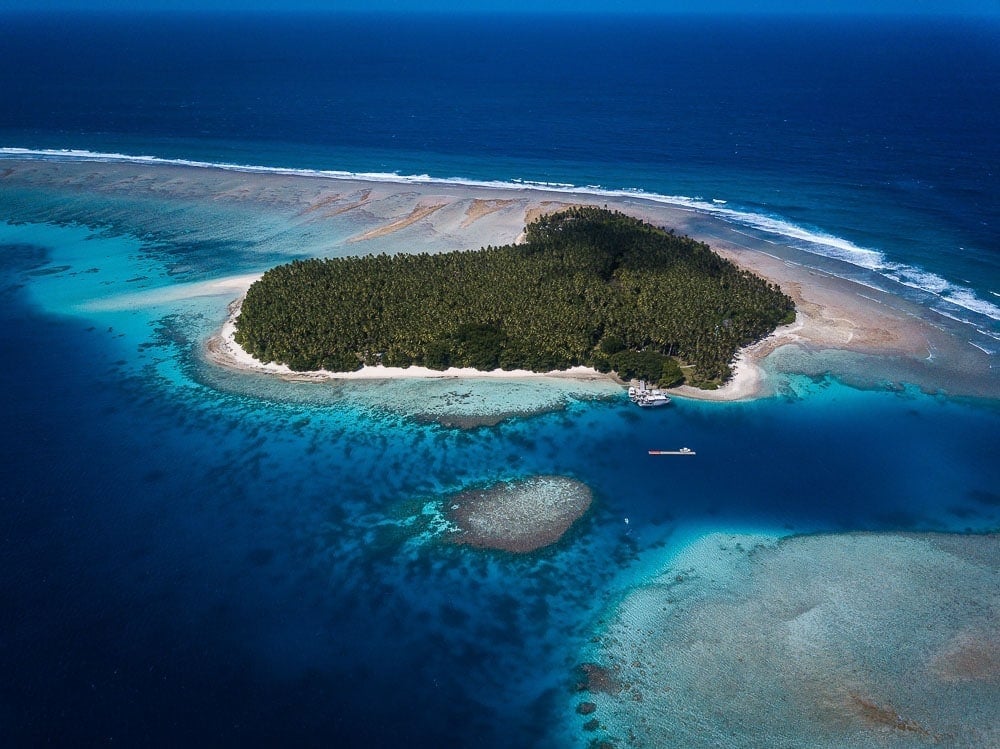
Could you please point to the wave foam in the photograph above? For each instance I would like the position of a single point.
(808, 240)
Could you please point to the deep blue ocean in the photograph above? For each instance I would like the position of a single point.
(188, 558)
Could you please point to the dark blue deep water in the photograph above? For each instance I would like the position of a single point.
(877, 131)
(189, 560)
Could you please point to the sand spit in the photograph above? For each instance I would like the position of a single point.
(419, 213)
(843, 327)
(224, 287)
(888, 640)
(832, 314)
(518, 517)
(480, 208)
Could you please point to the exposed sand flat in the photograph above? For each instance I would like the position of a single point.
(419, 213)
(834, 313)
(362, 199)
(831, 314)
(480, 208)
(837, 315)
(841, 325)
(855, 640)
(322, 202)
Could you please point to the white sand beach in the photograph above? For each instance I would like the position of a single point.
(832, 313)
(222, 349)
(354, 216)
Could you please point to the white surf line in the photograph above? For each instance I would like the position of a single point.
(835, 247)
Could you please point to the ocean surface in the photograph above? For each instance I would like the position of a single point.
(194, 557)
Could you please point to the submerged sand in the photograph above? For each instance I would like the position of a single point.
(841, 325)
(833, 314)
(826, 641)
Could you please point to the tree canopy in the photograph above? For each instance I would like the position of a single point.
(588, 286)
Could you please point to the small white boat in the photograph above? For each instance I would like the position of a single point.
(682, 451)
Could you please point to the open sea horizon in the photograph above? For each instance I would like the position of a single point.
(189, 558)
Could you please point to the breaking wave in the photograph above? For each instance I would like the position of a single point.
(809, 240)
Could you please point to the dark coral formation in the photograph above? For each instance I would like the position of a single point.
(521, 516)
(597, 678)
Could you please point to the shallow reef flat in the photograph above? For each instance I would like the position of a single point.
(519, 516)
(473, 402)
(855, 640)
(461, 398)
(213, 230)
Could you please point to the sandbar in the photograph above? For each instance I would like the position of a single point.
(418, 213)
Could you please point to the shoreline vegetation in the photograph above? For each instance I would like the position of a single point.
(833, 314)
(587, 287)
(842, 326)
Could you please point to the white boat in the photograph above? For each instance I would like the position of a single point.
(652, 399)
(682, 451)
(646, 397)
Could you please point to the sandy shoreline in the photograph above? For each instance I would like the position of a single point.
(354, 216)
(832, 314)
(828, 317)
(222, 349)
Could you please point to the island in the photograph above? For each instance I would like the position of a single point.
(587, 287)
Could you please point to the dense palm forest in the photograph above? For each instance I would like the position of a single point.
(588, 286)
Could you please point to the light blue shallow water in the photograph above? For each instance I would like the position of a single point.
(194, 557)
(182, 535)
